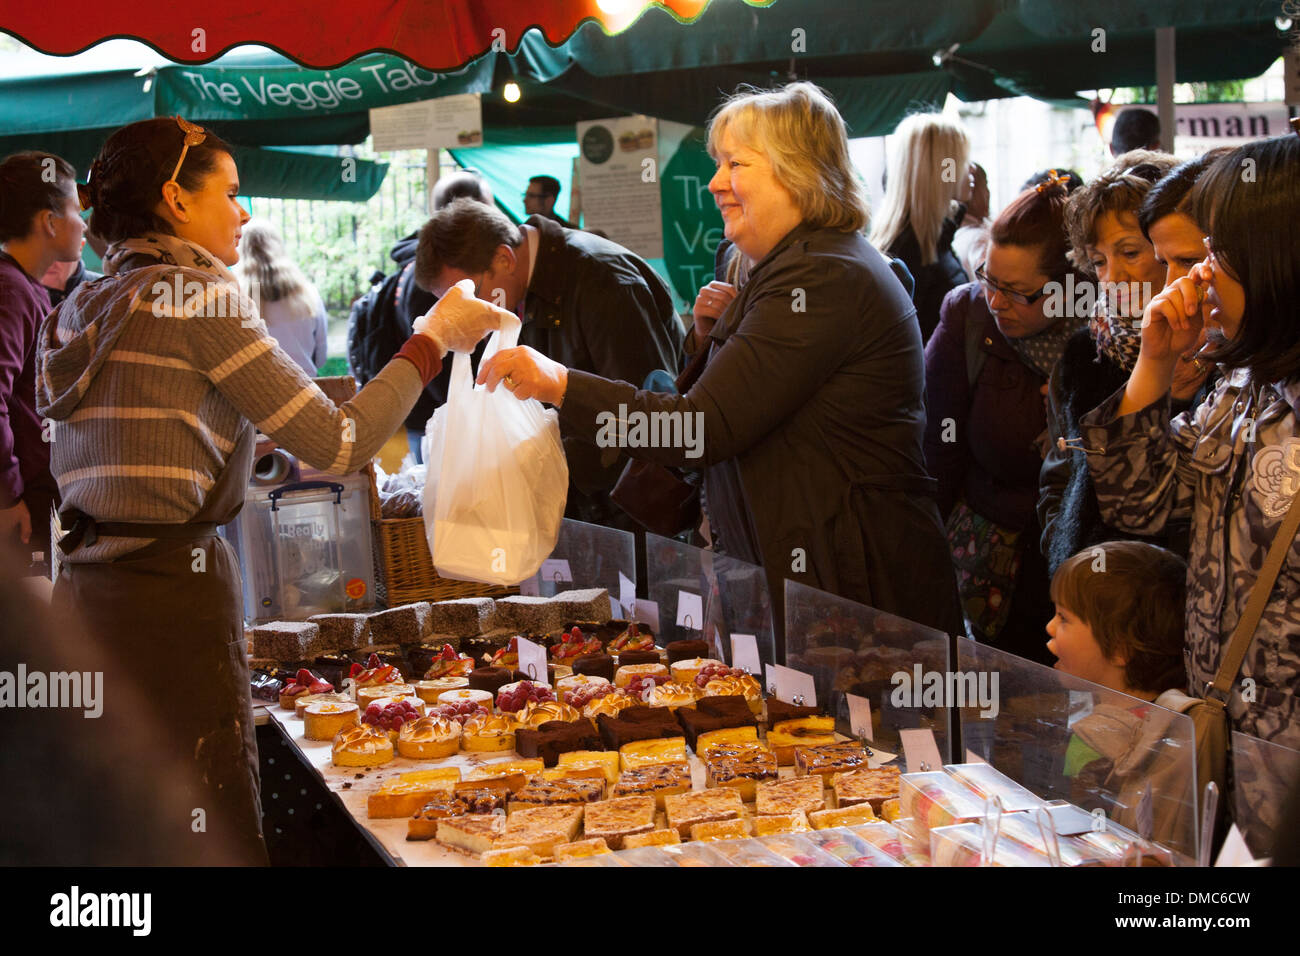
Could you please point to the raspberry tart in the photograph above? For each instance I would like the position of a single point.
(449, 664)
(303, 684)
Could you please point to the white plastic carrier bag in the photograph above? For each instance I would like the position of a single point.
(497, 478)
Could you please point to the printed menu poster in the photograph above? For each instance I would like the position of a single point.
(448, 122)
(619, 161)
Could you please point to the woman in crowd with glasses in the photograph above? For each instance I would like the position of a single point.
(1121, 266)
(986, 368)
(157, 377)
(1233, 464)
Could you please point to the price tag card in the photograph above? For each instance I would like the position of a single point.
(744, 653)
(556, 570)
(532, 661)
(690, 611)
(792, 686)
(647, 613)
(920, 747)
(1235, 852)
(878, 758)
(859, 716)
(529, 587)
(626, 593)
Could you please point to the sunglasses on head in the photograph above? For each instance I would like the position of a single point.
(194, 136)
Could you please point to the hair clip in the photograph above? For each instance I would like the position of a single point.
(1053, 179)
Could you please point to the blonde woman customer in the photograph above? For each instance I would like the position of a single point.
(927, 178)
(288, 302)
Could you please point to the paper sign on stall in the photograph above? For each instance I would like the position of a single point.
(744, 653)
(626, 593)
(647, 613)
(556, 570)
(792, 686)
(859, 716)
(453, 122)
(920, 747)
(690, 611)
(532, 661)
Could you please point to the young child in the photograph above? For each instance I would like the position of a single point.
(1120, 607)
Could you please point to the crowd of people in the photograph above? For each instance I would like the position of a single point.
(921, 411)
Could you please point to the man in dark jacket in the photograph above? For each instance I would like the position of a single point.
(584, 301)
(540, 199)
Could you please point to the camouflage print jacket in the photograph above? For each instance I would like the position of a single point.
(1236, 487)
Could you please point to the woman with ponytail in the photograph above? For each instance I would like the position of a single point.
(158, 376)
(40, 224)
(986, 368)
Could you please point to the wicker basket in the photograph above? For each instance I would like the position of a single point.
(404, 568)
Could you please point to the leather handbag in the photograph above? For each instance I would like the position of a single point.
(662, 499)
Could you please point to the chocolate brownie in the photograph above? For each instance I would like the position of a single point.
(554, 738)
(595, 665)
(778, 710)
(638, 657)
(686, 650)
(615, 732)
(694, 722)
(732, 706)
(490, 679)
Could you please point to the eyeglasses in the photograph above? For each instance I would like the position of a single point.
(1020, 298)
(194, 136)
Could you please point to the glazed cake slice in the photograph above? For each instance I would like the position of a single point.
(657, 780)
(474, 833)
(702, 806)
(829, 759)
(540, 792)
(874, 787)
(541, 829)
(743, 768)
(787, 796)
(615, 820)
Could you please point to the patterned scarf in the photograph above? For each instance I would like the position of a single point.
(1042, 351)
(1117, 338)
(163, 249)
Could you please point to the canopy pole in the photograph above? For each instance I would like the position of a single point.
(1165, 86)
(432, 169)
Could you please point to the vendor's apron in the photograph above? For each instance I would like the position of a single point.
(171, 612)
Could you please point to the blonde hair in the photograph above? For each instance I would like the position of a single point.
(267, 274)
(926, 171)
(803, 136)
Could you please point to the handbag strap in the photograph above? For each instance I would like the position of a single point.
(1235, 652)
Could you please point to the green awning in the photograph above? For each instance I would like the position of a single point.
(278, 173)
(1051, 50)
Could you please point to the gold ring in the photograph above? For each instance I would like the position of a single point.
(510, 383)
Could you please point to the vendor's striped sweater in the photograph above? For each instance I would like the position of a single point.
(152, 373)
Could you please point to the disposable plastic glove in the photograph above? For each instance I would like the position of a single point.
(458, 320)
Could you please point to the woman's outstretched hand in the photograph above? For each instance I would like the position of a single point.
(458, 320)
(526, 373)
